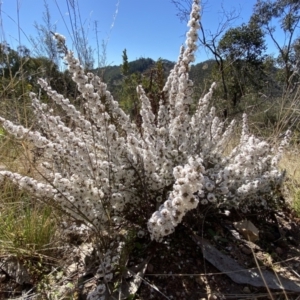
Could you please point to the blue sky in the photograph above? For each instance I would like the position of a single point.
(146, 28)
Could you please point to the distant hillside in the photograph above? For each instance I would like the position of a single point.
(113, 77)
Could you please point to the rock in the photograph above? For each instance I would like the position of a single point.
(247, 229)
(15, 269)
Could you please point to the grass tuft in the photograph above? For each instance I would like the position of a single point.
(26, 226)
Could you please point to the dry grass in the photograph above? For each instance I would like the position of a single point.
(291, 163)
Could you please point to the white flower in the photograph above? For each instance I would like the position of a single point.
(165, 213)
(211, 198)
(209, 186)
(204, 202)
(178, 203)
(101, 288)
(223, 189)
(141, 233)
(108, 277)
(159, 199)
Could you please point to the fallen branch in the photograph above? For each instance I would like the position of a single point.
(240, 275)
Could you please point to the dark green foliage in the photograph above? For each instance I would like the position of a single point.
(125, 65)
(200, 74)
(145, 72)
(287, 14)
(245, 42)
(122, 81)
(242, 49)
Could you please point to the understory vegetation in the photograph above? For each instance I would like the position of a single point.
(103, 170)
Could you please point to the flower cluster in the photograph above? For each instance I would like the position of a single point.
(98, 293)
(104, 170)
(189, 180)
(248, 176)
(107, 265)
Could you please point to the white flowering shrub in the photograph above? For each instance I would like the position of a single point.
(104, 170)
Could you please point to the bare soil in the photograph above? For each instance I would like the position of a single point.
(176, 267)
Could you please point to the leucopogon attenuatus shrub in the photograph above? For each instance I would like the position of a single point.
(105, 170)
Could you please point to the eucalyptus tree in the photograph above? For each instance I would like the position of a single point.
(287, 14)
(243, 50)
